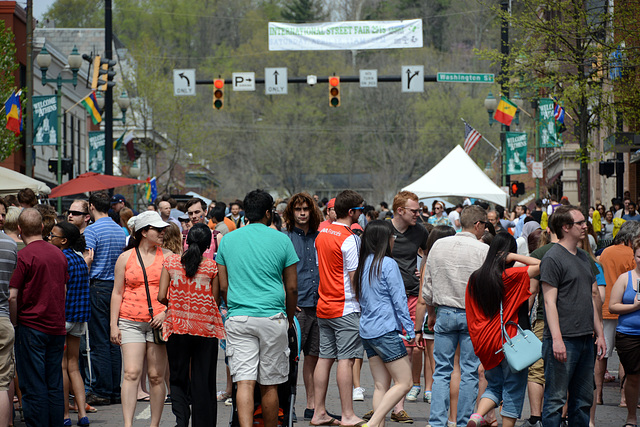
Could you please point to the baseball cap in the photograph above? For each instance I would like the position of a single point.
(331, 203)
(117, 198)
(183, 218)
(149, 219)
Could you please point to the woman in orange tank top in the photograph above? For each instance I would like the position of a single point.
(131, 321)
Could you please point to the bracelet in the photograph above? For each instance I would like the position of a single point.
(418, 332)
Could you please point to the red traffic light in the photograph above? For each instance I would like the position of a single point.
(218, 83)
(334, 81)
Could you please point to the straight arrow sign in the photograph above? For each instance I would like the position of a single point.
(275, 81)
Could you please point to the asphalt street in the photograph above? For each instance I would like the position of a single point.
(608, 414)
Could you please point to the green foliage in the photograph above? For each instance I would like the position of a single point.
(76, 14)
(8, 64)
(302, 11)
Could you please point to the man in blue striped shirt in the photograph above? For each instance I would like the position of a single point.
(105, 242)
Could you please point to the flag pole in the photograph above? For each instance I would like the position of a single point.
(486, 140)
(68, 109)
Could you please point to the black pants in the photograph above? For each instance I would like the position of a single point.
(192, 366)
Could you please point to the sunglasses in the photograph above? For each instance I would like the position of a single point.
(78, 213)
(359, 208)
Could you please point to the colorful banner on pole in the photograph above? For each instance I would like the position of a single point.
(45, 120)
(516, 153)
(347, 35)
(547, 129)
(96, 151)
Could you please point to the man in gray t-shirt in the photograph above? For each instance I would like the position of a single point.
(8, 259)
(572, 315)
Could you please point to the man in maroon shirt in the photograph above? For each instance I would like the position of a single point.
(36, 306)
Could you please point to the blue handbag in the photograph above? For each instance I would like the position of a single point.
(522, 350)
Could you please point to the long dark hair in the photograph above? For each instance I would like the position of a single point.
(438, 232)
(375, 240)
(72, 234)
(485, 284)
(199, 240)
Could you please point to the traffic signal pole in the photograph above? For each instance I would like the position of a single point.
(303, 80)
(108, 95)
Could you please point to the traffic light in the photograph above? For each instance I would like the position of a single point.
(218, 93)
(334, 91)
(67, 166)
(102, 68)
(517, 188)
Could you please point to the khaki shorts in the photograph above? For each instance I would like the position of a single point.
(536, 371)
(257, 348)
(131, 331)
(609, 326)
(7, 362)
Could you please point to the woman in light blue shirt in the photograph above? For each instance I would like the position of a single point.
(383, 301)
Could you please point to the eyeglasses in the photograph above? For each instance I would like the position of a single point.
(413, 211)
(78, 213)
(579, 223)
(481, 222)
(53, 235)
(438, 208)
(159, 230)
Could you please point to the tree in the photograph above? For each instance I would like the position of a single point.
(301, 11)
(76, 14)
(561, 48)
(8, 65)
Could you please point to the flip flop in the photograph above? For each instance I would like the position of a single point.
(358, 424)
(330, 422)
(145, 399)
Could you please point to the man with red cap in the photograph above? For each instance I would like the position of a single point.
(330, 215)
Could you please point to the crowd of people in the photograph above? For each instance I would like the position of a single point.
(104, 300)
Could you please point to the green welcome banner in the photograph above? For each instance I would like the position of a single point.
(45, 120)
(547, 129)
(96, 151)
(516, 143)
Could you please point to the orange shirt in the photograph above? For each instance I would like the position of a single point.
(615, 260)
(230, 223)
(338, 248)
(134, 297)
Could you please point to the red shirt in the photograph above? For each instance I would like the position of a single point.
(485, 332)
(40, 277)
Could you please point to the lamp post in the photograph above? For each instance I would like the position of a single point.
(490, 104)
(124, 102)
(134, 171)
(43, 59)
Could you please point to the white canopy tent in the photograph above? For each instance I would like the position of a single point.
(11, 182)
(458, 175)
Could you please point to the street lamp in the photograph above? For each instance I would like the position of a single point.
(490, 104)
(134, 171)
(124, 102)
(74, 61)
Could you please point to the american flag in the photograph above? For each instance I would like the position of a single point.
(471, 138)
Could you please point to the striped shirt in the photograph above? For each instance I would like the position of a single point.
(107, 239)
(8, 259)
(77, 306)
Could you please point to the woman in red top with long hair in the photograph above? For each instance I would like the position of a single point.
(496, 282)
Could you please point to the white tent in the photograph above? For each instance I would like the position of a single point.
(11, 182)
(458, 175)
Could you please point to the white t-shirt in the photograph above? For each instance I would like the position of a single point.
(453, 217)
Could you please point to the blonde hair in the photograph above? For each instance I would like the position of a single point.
(173, 239)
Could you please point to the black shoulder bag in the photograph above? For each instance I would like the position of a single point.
(157, 333)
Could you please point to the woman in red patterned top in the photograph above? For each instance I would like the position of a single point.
(192, 328)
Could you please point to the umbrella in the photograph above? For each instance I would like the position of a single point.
(91, 181)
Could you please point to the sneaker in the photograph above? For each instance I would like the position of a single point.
(413, 394)
(527, 423)
(358, 394)
(476, 420)
(67, 422)
(368, 415)
(94, 400)
(308, 413)
(294, 418)
(427, 396)
(228, 402)
(564, 422)
(83, 422)
(451, 423)
(401, 417)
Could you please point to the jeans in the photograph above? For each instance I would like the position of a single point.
(450, 330)
(575, 377)
(106, 358)
(39, 363)
(192, 368)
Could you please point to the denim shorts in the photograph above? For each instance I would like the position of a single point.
(506, 387)
(388, 347)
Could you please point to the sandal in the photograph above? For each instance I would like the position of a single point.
(221, 396)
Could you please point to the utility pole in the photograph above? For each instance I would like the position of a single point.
(504, 50)
(108, 95)
(28, 145)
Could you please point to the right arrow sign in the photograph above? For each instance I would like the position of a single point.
(412, 78)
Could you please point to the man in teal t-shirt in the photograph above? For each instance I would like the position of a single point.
(259, 282)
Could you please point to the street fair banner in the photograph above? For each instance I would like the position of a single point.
(346, 35)
(45, 120)
(516, 143)
(96, 151)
